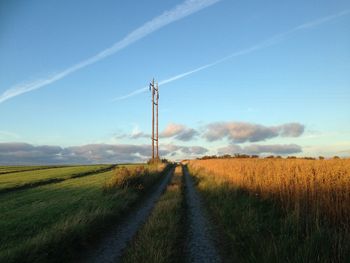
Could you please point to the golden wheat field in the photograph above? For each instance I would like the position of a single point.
(318, 189)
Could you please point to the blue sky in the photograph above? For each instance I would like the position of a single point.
(301, 77)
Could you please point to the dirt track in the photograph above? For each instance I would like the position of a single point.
(112, 246)
(200, 246)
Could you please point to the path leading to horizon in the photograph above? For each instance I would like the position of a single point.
(198, 241)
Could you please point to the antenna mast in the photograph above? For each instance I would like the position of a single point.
(157, 138)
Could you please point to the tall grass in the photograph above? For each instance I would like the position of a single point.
(314, 195)
(320, 188)
(136, 177)
(158, 240)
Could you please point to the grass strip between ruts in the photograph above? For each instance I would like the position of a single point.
(159, 239)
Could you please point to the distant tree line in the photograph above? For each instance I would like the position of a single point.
(227, 156)
(240, 156)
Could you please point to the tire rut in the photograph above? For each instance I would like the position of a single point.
(200, 246)
(113, 245)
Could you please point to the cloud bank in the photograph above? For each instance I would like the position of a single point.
(236, 132)
(240, 132)
(183, 10)
(278, 149)
(24, 153)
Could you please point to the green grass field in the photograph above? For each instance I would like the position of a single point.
(27, 178)
(53, 221)
(11, 169)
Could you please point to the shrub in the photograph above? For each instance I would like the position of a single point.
(137, 178)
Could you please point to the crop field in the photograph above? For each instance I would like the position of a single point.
(218, 210)
(279, 210)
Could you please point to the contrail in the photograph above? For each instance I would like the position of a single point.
(138, 91)
(183, 10)
(264, 44)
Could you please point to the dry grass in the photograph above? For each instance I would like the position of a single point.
(136, 177)
(320, 188)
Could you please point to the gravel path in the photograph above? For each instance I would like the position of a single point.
(200, 246)
(111, 247)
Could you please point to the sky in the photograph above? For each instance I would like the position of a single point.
(254, 77)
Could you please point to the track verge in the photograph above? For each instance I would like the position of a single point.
(111, 248)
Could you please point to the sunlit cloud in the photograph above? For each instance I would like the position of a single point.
(240, 132)
(183, 10)
(262, 45)
(233, 131)
(179, 132)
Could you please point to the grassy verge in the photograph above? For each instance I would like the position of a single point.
(50, 223)
(257, 229)
(158, 240)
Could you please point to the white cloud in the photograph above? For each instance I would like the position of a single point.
(137, 133)
(187, 150)
(179, 132)
(240, 132)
